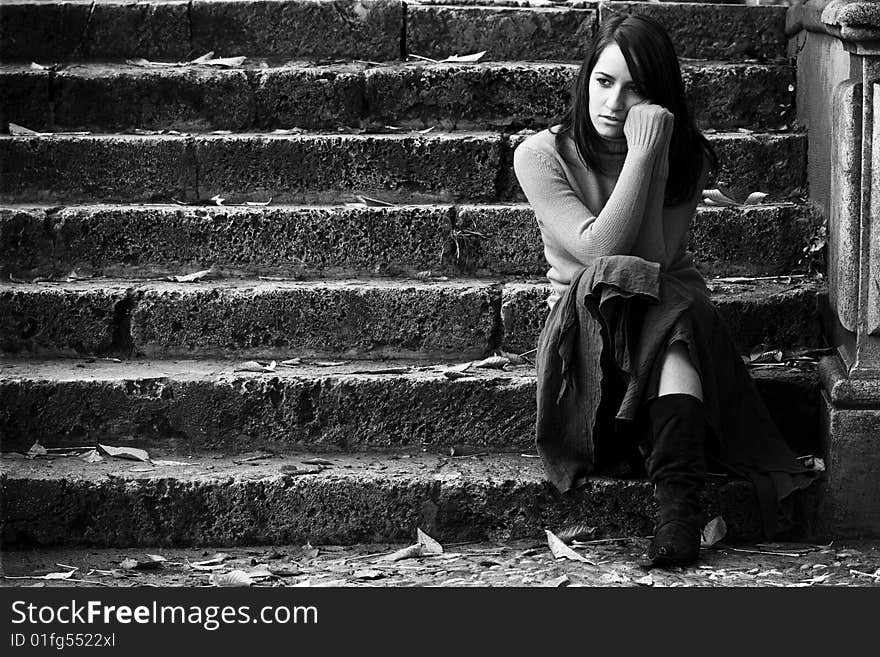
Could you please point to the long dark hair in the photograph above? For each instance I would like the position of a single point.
(654, 67)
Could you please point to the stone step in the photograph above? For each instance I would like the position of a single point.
(163, 240)
(359, 318)
(705, 31)
(361, 498)
(508, 96)
(377, 30)
(187, 406)
(320, 168)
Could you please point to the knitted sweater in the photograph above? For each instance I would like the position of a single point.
(579, 224)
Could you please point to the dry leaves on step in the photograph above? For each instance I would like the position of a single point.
(20, 131)
(368, 574)
(255, 366)
(130, 453)
(317, 461)
(713, 532)
(557, 582)
(330, 363)
(561, 551)
(207, 59)
(232, 578)
(647, 580)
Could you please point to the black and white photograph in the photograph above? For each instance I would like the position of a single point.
(349, 294)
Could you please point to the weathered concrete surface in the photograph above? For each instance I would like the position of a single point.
(371, 498)
(102, 98)
(254, 318)
(145, 241)
(356, 29)
(410, 168)
(114, 168)
(771, 163)
(357, 318)
(771, 313)
(303, 169)
(503, 32)
(286, 168)
(191, 405)
(715, 31)
(54, 31)
(852, 501)
(305, 96)
(44, 319)
(508, 96)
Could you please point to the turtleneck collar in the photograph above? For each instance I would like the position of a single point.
(614, 146)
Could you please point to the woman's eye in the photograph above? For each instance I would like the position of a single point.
(603, 82)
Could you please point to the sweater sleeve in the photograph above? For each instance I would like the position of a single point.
(567, 222)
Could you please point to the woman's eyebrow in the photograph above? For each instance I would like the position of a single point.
(600, 72)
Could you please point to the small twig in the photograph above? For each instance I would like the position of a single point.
(526, 353)
(863, 574)
(775, 554)
(427, 59)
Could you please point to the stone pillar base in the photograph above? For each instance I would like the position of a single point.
(851, 426)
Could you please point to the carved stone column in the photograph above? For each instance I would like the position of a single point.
(837, 45)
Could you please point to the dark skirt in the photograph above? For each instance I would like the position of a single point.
(598, 365)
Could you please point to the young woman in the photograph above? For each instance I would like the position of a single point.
(633, 352)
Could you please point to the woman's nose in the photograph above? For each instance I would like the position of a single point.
(614, 99)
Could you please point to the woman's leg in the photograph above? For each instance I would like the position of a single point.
(676, 465)
(678, 374)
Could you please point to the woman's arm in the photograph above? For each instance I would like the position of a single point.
(568, 222)
(651, 240)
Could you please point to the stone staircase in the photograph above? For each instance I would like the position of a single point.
(102, 343)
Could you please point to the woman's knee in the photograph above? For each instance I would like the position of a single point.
(678, 374)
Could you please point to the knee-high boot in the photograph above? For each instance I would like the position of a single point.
(677, 468)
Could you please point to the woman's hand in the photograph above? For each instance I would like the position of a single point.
(648, 127)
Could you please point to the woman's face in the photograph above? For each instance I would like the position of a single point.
(612, 93)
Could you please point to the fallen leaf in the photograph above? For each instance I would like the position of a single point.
(494, 362)
(577, 532)
(218, 558)
(368, 573)
(317, 461)
(92, 457)
(453, 375)
(260, 572)
(288, 131)
(129, 563)
(755, 198)
(218, 566)
(818, 579)
(285, 571)
(330, 363)
(426, 130)
(21, 131)
(561, 551)
(39, 67)
(37, 450)
(408, 552)
(164, 462)
(232, 578)
(198, 60)
(647, 580)
(140, 61)
(203, 275)
(309, 552)
(65, 575)
(717, 197)
(254, 366)
(373, 202)
(514, 359)
(762, 355)
(713, 532)
(218, 199)
(293, 469)
(291, 362)
(224, 61)
(131, 453)
(258, 203)
(464, 59)
(429, 545)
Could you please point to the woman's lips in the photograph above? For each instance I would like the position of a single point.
(610, 119)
